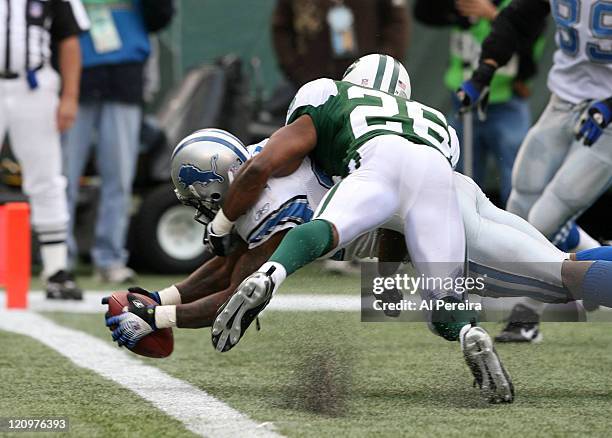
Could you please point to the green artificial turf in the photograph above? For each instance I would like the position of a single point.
(310, 279)
(38, 382)
(403, 381)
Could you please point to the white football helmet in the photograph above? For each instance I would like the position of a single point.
(381, 72)
(202, 166)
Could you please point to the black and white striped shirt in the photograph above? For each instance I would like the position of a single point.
(27, 28)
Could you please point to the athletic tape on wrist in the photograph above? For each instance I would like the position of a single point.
(165, 316)
(169, 296)
(221, 224)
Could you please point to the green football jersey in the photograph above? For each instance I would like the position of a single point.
(346, 116)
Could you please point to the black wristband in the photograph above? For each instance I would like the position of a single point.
(483, 74)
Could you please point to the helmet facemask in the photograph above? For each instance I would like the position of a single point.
(205, 209)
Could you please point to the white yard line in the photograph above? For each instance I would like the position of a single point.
(285, 303)
(198, 411)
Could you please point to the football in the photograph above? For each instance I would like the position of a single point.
(159, 343)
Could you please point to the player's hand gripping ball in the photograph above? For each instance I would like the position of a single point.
(131, 317)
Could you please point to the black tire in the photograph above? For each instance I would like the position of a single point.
(148, 251)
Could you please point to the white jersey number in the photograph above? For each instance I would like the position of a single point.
(359, 116)
(422, 117)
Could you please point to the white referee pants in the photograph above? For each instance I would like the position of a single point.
(416, 181)
(29, 117)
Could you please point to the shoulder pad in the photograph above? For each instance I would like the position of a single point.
(314, 93)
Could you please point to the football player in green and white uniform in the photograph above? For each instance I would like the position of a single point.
(393, 156)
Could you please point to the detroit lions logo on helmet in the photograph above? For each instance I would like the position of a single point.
(189, 174)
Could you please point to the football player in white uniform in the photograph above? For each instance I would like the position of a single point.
(565, 162)
(535, 267)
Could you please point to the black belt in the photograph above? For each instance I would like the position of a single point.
(8, 75)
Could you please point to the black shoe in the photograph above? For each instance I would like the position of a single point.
(237, 314)
(62, 286)
(523, 326)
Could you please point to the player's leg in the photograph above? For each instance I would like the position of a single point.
(300, 246)
(492, 236)
(532, 268)
(475, 205)
(32, 127)
(361, 202)
(117, 153)
(583, 177)
(435, 239)
(433, 226)
(541, 154)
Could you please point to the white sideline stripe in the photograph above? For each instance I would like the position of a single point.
(201, 413)
(280, 302)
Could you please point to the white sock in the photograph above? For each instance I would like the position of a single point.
(170, 295)
(165, 316)
(54, 258)
(279, 274)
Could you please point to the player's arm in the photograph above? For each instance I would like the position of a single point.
(211, 277)
(521, 20)
(137, 322)
(516, 25)
(282, 155)
(201, 313)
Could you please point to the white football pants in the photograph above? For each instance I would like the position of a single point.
(516, 259)
(416, 181)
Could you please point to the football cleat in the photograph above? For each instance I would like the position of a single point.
(489, 373)
(389, 296)
(239, 311)
(62, 286)
(523, 326)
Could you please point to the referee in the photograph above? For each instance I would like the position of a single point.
(35, 107)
